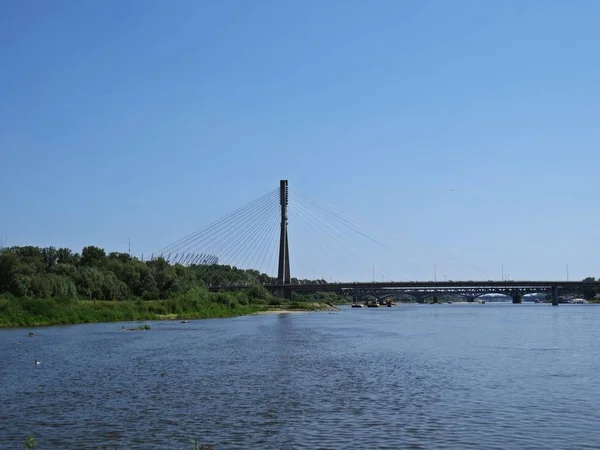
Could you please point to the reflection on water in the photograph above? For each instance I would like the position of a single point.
(446, 376)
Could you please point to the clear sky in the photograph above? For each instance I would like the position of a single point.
(469, 127)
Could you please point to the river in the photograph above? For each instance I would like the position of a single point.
(488, 376)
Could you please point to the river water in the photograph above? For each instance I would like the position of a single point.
(412, 376)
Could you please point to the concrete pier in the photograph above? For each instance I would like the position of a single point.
(517, 297)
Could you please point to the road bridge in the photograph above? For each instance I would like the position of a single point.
(515, 289)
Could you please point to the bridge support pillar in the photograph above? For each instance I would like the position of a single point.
(554, 295)
(517, 297)
(435, 299)
(283, 274)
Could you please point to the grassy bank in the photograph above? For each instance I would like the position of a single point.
(20, 312)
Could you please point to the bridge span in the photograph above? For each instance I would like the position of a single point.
(474, 288)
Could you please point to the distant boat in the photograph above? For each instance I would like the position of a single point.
(357, 305)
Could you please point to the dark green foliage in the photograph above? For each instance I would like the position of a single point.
(51, 273)
(43, 286)
(589, 292)
(257, 294)
(66, 256)
(320, 297)
(31, 443)
(92, 256)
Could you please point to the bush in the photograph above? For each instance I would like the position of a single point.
(151, 295)
(258, 292)
(225, 299)
(65, 300)
(38, 307)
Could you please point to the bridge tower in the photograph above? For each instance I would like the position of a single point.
(283, 274)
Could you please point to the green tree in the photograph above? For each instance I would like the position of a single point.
(90, 283)
(113, 288)
(66, 256)
(92, 256)
(589, 292)
(50, 257)
(123, 257)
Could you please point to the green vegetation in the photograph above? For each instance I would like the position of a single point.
(48, 286)
(321, 297)
(31, 443)
(59, 273)
(590, 292)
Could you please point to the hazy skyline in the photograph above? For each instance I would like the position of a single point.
(467, 130)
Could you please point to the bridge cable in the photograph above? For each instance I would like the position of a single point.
(315, 219)
(224, 228)
(325, 207)
(213, 245)
(308, 231)
(259, 239)
(253, 235)
(215, 233)
(215, 225)
(271, 237)
(234, 244)
(228, 245)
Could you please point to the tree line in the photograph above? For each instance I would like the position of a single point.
(49, 272)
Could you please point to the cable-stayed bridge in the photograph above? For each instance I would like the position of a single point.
(257, 238)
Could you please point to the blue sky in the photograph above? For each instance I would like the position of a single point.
(467, 127)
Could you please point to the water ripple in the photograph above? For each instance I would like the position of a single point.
(407, 377)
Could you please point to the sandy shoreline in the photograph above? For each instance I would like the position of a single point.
(280, 311)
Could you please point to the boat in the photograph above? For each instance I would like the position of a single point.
(357, 305)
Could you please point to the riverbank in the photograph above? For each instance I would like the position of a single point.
(43, 312)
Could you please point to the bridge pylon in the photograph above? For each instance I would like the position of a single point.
(283, 274)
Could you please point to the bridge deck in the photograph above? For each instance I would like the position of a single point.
(423, 285)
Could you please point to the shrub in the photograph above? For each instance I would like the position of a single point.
(38, 307)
